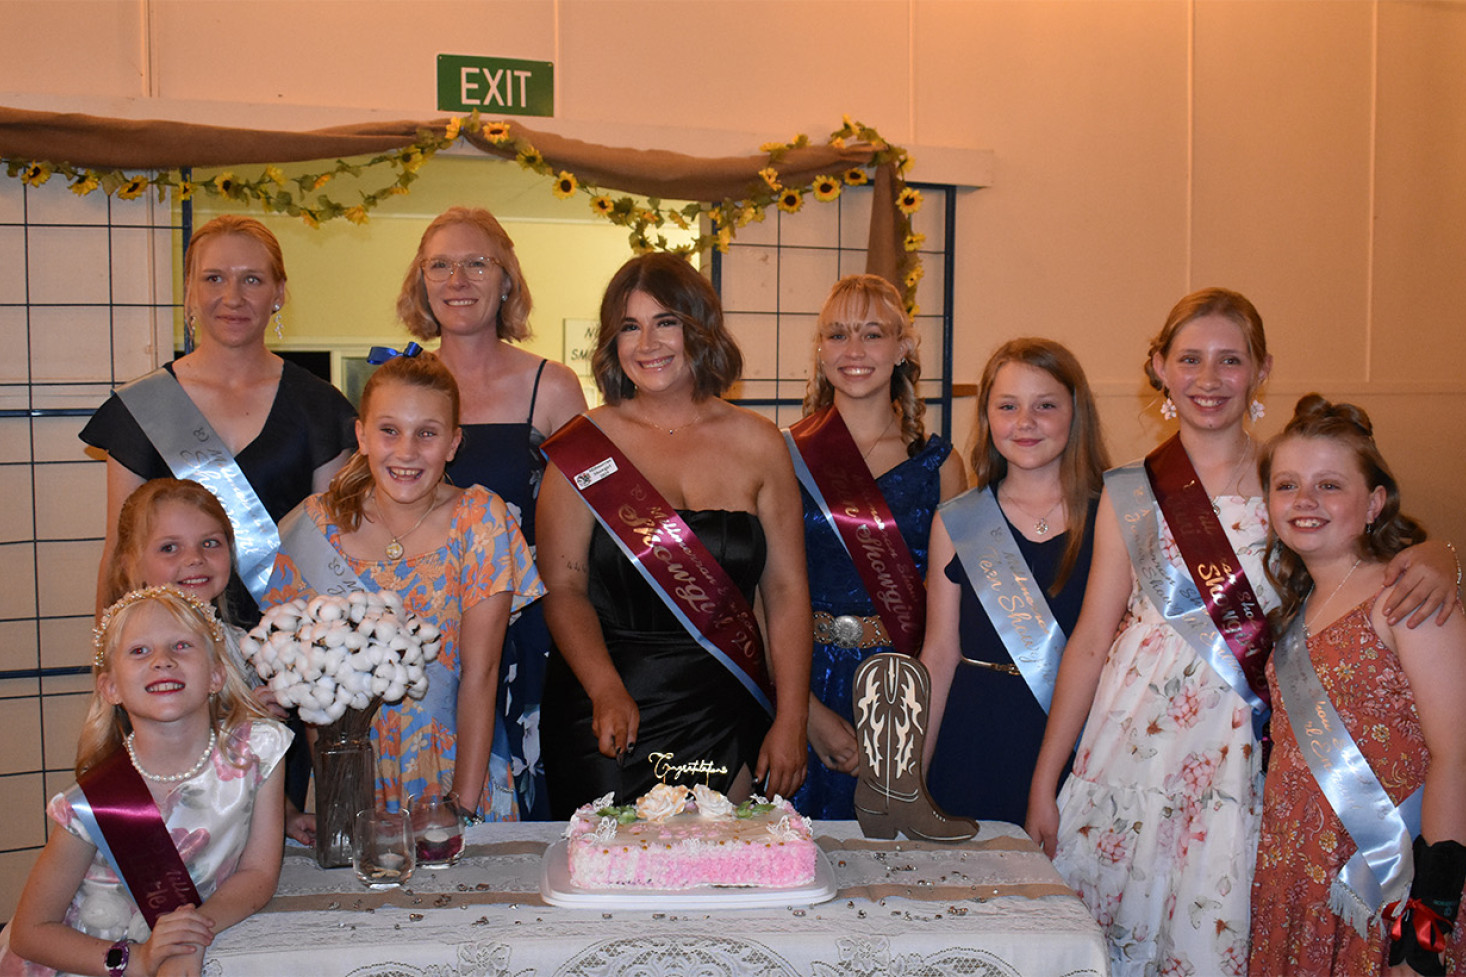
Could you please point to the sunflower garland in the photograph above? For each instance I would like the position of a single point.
(307, 196)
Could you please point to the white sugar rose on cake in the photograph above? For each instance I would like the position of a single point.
(676, 838)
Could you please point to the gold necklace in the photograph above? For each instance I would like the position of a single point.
(1235, 478)
(865, 455)
(1330, 597)
(395, 548)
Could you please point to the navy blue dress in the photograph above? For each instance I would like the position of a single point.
(993, 726)
(506, 459)
(912, 490)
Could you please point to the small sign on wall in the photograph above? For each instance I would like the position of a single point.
(580, 346)
(495, 86)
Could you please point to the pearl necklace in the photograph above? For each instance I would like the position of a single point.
(171, 778)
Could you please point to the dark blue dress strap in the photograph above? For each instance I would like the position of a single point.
(534, 392)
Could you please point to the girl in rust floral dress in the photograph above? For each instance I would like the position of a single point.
(1355, 692)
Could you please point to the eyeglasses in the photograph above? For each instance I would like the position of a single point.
(441, 269)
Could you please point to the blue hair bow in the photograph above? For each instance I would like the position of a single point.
(381, 354)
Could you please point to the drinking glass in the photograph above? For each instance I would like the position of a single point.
(383, 854)
(438, 830)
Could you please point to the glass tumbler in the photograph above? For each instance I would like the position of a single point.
(438, 830)
(382, 854)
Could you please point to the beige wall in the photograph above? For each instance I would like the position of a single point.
(1309, 154)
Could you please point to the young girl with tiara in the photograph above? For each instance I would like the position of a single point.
(175, 531)
(390, 521)
(1334, 891)
(1012, 556)
(176, 809)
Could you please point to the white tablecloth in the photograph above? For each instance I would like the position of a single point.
(437, 935)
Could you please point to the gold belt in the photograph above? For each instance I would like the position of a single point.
(850, 631)
(1007, 668)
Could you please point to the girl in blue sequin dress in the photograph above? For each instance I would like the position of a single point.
(867, 368)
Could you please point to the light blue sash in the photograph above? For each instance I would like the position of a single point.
(1380, 871)
(1168, 586)
(321, 566)
(193, 450)
(1004, 584)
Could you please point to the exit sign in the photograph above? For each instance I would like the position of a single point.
(495, 86)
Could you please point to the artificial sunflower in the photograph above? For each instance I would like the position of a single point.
(36, 174)
(790, 201)
(85, 184)
(565, 185)
(914, 241)
(602, 205)
(826, 188)
(455, 125)
(497, 132)
(855, 177)
(908, 201)
(321, 181)
(913, 276)
(357, 214)
(133, 188)
(224, 183)
(771, 177)
(185, 188)
(275, 175)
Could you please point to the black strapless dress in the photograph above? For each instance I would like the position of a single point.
(691, 706)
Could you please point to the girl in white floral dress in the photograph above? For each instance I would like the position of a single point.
(1157, 827)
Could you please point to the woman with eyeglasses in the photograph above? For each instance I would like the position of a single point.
(465, 288)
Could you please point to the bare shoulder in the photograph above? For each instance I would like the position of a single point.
(561, 396)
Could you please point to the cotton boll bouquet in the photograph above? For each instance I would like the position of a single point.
(336, 659)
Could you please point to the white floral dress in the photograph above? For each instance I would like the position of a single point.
(1158, 823)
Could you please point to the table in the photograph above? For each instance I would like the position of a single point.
(991, 907)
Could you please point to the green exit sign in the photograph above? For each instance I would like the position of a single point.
(495, 86)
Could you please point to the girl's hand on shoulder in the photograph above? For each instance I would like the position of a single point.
(183, 932)
(1423, 582)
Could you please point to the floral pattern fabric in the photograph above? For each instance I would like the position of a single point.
(485, 554)
(1158, 823)
(207, 815)
(1303, 845)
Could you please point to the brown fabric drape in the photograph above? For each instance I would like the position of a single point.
(101, 143)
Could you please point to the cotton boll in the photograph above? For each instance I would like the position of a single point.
(335, 637)
(412, 655)
(280, 639)
(360, 700)
(280, 683)
(249, 646)
(354, 640)
(386, 629)
(400, 642)
(418, 688)
(313, 609)
(333, 660)
(314, 716)
(379, 685)
(323, 696)
(333, 610)
(394, 692)
(428, 633)
(367, 627)
(430, 650)
(384, 670)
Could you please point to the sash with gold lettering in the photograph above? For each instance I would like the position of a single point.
(123, 819)
(192, 449)
(1381, 870)
(831, 469)
(1014, 601)
(664, 550)
(1226, 626)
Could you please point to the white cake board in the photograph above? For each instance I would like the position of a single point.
(557, 890)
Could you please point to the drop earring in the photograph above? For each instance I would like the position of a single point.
(279, 325)
(1168, 408)
(1256, 411)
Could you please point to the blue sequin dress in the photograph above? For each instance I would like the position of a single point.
(912, 489)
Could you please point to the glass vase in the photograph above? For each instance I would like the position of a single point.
(346, 770)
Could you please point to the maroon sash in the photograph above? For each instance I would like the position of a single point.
(1230, 601)
(829, 464)
(131, 834)
(664, 550)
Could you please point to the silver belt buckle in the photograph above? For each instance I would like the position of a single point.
(846, 631)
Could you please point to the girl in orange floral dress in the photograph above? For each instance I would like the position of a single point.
(1334, 509)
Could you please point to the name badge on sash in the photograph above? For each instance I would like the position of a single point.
(1013, 600)
(829, 466)
(665, 551)
(1381, 870)
(124, 821)
(1172, 589)
(192, 449)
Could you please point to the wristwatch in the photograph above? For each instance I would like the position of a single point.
(117, 957)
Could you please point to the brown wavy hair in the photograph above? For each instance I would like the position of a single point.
(1391, 532)
(135, 527)
(857, 299)
(1082, 466)
(715, 358)
(345, 497)
(106, 725)
(230, 224)
(416, 312)
(1208, 301)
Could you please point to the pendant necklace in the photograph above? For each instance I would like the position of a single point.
(1235, 479)
(395, 548)
(865, 455)
(171, 778)
(1330, 597)
(1040, 525)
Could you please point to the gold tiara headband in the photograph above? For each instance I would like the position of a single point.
(204, 609)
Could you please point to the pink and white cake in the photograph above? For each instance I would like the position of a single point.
(673, 838)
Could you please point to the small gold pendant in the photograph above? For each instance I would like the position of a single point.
(394, 550)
